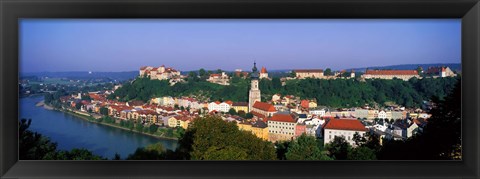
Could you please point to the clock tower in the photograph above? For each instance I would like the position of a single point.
(254, 94)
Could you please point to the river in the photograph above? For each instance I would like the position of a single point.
(70, 132)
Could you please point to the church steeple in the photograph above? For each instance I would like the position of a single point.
(254, 71)
(254, 94)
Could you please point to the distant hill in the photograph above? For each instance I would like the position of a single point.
(453, 66)
(119, 76)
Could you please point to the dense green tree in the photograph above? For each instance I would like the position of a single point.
(225, 153)
(282, 149)
(305, 148)
(78, 105)
(151, 152)
(104, 111)
(339, 148)
(202, 73)
(232, 111)
(328, 72)
(139, 127)
(152, 129)
(212, 138)
(361, 153)
(293, 74)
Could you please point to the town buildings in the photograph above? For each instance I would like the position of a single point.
(160, 73)
(308, 73)
(390, 74)
(440, 72)
(221, 79)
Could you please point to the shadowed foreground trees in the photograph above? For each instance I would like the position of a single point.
(440, 139)
(211, 138)
(305, 148)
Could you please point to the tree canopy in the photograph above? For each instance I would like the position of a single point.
(305, 148)
(211, 138)
(334, 93)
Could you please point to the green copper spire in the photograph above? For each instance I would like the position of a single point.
(254, 71)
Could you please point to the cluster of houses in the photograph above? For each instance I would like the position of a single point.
(327, 123)
(161, 73)
(281, 118)
(434, 72)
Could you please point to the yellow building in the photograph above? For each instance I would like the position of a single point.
(312, 104)
(258, 128)
(240, 106)
(172, 122)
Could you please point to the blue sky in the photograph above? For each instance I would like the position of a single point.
(186, 44)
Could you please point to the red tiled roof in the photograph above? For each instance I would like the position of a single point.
(258, 114)
(143, 68)
(214, 75)
(264, 70)
(308, 71)
(345, 124)
(264, 106)
(282, 118)
(244, 73)
(304, 103)
(391, 72)
(229, 102)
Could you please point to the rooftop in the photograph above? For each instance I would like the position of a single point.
(391, 72)
(345, 124)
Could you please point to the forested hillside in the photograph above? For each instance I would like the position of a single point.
(334, 93)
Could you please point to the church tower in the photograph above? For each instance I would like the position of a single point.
(254, 94)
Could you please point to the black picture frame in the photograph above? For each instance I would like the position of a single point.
(12, 10)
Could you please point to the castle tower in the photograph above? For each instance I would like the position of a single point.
(263, 73)
(254, 94)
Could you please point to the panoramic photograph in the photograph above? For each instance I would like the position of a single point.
(240, 89)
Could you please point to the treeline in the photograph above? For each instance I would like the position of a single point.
(334, 93)
(354, 93)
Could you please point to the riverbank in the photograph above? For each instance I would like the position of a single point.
(91, 119)
(42, 103)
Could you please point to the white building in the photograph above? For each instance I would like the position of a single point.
(345, 128)
(318, 112)
(219, 106)
(382, 115)
(221, 79)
